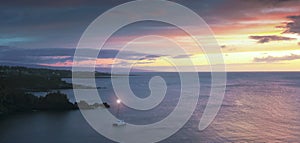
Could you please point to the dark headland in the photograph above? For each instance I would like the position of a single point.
(16, 83)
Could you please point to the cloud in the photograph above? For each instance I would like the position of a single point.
(8, 40)
(223, 46)
(271, 59)
(61, 23)
(269, 38)
(294, 26)
(126, 55)
(61, 55)
(151, 57)
(54, 23)
(182, 56)
(34, 56)
(61, 3)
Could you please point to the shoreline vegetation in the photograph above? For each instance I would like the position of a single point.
(16, 82)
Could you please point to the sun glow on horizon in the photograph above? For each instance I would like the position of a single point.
(254, 36)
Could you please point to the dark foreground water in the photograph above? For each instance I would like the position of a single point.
(258, 107)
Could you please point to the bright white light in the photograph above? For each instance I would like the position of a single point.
(118, 101)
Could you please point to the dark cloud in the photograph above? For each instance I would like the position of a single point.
(276, 2)
(55, 55)
(151, 57)
(271, 59)
(269, 38)
(293, 27)
(127, 55)
(146, 62)
(228, 12)
(223, 46)
(54, 23)
(35, 56)
(60, 3)
(61, 23)
(182, 56)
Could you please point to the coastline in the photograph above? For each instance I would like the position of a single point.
(17, 83)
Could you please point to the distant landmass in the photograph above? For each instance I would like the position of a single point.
(39, 79)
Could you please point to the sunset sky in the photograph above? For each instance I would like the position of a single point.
(254, 35)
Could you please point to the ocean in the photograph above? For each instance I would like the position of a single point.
(257, 107)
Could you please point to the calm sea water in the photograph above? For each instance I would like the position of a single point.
(258, 107)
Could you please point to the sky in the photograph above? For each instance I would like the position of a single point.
(253, 35)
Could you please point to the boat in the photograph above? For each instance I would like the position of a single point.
(119, 123)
